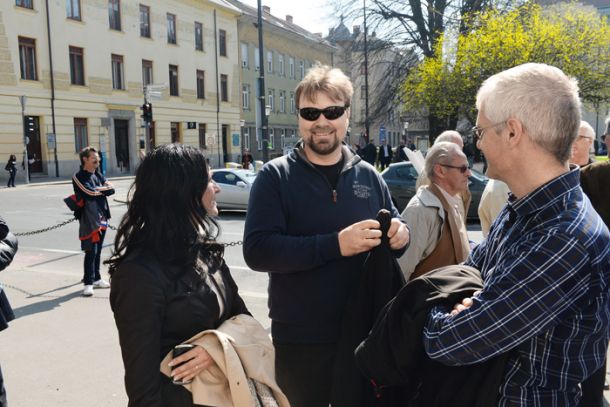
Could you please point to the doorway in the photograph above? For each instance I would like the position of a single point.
(121, 144)
(32, 130)
(175, 132)
(225, 142)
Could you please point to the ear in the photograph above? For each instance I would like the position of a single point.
(515, 132)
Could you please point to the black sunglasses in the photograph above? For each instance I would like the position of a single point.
(462, 168)
(331, 112)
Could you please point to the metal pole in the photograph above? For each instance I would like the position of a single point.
(366, 77)
(261, 82)
(52, 88)
(26, 159)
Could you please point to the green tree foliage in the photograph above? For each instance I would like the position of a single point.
(573, 38)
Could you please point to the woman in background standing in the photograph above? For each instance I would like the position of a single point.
(11, 167)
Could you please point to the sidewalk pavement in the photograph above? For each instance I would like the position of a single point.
(50, 180)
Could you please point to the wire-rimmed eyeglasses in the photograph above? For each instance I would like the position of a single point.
(479, 132)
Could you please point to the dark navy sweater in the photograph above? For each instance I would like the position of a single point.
(291, 232)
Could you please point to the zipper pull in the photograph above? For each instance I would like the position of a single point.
(334, 196)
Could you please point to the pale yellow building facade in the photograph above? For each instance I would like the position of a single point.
(103, 52)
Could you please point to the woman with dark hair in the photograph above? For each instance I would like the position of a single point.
(169, 280)
(11, 167)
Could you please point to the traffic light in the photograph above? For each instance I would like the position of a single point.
(147, 113)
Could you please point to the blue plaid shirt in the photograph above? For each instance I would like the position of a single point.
(546, 272)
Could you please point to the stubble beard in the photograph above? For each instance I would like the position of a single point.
(327, 147)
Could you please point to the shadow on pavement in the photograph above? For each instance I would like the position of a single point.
(48, 304)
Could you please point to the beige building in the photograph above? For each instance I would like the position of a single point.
(87, 89)
(289, 51)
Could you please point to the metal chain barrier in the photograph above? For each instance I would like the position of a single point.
(66, 222)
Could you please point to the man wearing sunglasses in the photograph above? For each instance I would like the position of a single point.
(310, 224)
(91, 190)
(546, 262)
(435, 215)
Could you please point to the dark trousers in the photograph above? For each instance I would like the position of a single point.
(304, 372)
(92, 261)
(384, 163)
(593, 389)
(3, 402)
(11, 178)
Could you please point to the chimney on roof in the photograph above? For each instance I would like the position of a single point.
(267, 9)
(289, 19)
(356, 29)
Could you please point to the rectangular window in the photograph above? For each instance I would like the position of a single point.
(269, 61)
(27, 58)
(282, 138)
(200, 84)
(173, 80)
(257, 59)
(171, 28)
(280, 61)
(77, 66)
(117, 72)
(271, 101)
(25, 3)
(81, 138)
(291, 67)
(363, 69)
(147, 72)
(271, 139)
(224, 88)
(362, 91)
(144, 21)
(282, 101)
(292, 105)
(198, 36)
(222, 43)
(302, 66)
(114, 14)
(244, 56)
(174, 129)
(245, 100)
(73, 9)
(202, 130)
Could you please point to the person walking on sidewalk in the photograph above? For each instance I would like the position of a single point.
(91, 188)
(310, 223)
(11, 167)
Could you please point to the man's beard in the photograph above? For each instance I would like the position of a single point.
(325, 148)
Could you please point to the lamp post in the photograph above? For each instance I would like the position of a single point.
(26, 160)
(242, 124)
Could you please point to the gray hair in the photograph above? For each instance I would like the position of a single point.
(451, 136)
(441, 153)
(542, 98)
(587, 130)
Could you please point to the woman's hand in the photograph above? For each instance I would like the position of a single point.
(196, 361)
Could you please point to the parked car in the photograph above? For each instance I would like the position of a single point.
(236, 185)
(401, 178)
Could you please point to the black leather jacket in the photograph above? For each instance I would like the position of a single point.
(155, 312)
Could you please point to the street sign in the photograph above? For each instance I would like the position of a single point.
(154, 91)
(381, 134)
(51, 141)
(191, 125)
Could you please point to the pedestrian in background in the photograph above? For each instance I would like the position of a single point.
(385, 155)
(369, 153)
(310, 223)
(8, 248)
(583, 145)
(11, 167)
(546, 262)
(91, 190)
(168, 274)
(436, 215)
(247, 160)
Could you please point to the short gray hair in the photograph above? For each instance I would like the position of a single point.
(440, 153)
(542, 98)
(451, 136)
(587, 130)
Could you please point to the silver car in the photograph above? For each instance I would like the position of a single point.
(236, 185)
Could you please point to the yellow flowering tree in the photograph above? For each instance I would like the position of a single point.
(573, 38)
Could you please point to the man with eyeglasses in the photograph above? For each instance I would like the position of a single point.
(435, 214)
(546, 262)
(310, 223)
(583, 145)
(91, 190)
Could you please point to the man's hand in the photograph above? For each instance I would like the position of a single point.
(465, 304)
(398, 234)
(359, 237)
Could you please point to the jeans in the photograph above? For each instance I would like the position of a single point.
(92, 261)
(11, 178)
